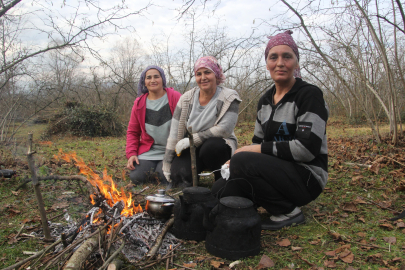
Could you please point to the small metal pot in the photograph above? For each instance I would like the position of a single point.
(160, 205)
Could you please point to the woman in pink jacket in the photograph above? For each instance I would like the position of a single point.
(149, 126)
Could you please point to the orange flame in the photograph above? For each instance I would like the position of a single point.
(109, 191)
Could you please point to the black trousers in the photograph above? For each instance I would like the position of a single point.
(211, 155)
(275, 184)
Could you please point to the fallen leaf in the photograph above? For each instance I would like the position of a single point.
(387, 226)
(351, 268)
(284, 242)
(15, 192)
(400, 225)
(391, 240)
(350, 207)
(329, 264)
(361, 234)
(190, 265)
(342, 248)
(265, 262)
(360, 201)
(335, 235)
(331, 253)
(362, 219)
(215, 264)
(347, 257)
(60, 205)
(355, 178)
(315, 242)
(296, 248)
(375, 168)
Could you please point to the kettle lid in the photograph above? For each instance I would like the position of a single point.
(236, 202)
(160, 196)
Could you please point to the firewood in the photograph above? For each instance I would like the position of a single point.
(115, 265)
(108, 262)
(159, 239)
(80, 255)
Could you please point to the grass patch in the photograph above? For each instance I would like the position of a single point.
(354, 209)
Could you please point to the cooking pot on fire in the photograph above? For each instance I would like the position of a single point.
(160, 205)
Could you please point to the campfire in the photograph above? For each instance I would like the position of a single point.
(115, 224)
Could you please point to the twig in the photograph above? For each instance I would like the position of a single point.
(376, 203)
(357, 164)
(22, 227)
(358, 243)
(107, 262)
(159, 239)
(395, 161)
(182, 266)
(189, 133)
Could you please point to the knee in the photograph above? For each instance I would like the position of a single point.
(138, 177)
(215, 147)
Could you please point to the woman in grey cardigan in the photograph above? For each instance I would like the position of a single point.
(212, 112)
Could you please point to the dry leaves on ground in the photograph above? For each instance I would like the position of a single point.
(284, 242)
(265, 262)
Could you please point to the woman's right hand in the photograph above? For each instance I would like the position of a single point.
(130, 164)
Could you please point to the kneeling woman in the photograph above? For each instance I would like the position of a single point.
(286, 166)
(212, 112)
(149, 126)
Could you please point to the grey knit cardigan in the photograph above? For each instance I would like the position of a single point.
(227, 116)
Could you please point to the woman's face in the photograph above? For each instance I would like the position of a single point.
(281, 62)
(153, 80)
(206, 79)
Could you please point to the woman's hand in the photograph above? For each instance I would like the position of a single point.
(130, 164)
(257, 148)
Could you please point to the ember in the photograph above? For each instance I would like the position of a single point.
(108, 191)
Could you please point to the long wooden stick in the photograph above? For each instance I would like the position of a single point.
(41, 205)
(54, 177)
(189, 132)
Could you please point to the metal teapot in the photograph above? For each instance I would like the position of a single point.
(160, 205)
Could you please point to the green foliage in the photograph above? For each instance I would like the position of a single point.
(82, 120)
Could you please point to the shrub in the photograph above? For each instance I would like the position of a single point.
(81, 120)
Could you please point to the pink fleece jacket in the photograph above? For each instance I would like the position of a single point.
(138, 141)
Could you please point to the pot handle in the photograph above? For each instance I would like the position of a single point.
(210, 212)
(184, 213)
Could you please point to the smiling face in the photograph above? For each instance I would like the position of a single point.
(153, 81)
(281, 62)
(206, 79)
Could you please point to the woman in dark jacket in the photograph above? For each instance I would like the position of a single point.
(286, 166)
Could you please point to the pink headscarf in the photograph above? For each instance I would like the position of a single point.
(210, 63)
(284, 39)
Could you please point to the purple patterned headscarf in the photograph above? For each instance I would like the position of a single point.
(284, 39)
(210, 63)
(141, 84)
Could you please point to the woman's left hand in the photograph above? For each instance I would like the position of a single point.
(257, 148)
